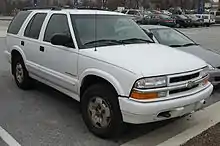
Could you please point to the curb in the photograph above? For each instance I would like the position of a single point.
(180, 131)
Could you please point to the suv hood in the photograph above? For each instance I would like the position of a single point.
(146, 59)
(207, 55)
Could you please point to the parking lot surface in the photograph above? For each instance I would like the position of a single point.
(45, 117)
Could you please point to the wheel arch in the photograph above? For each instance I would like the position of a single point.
(93, 76)
(15, 52)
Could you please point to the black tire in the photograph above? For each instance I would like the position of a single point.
(109, 97)
(26, 82)
(178, 25)
(207, 25)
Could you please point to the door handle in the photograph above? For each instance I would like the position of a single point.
(22, 43)
(41, 48)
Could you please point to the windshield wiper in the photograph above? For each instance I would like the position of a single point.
(134, 40)
(104, 41)
(175, 45)
(189, 44)
(185, 45)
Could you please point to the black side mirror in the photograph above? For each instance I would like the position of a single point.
(62, 40)
(150, 34)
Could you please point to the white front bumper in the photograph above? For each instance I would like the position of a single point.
(139, 112)
(7, 56)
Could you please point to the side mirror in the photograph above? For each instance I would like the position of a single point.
(150, 34)
(62, 40)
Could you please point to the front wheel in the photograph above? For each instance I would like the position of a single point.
(101, 112)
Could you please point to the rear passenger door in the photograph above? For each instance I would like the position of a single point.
(31, 42)
(59, 62)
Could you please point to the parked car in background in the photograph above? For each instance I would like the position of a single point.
(217, 17)
(174, 38)
(208, 19)
(195, 21)
(166, 12)
(134, 14)
(182, 21)
(158, 19)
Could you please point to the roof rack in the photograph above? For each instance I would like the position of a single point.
(42, 8)
(64, 7)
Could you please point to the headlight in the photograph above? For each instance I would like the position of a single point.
(147, 83)
(154, 82)
(210, 67)
(205, 71)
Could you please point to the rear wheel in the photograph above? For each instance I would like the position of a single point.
(101, 112)
(20, 73)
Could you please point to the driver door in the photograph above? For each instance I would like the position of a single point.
(60, 62)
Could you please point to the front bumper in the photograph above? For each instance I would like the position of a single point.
(146, 112)
(214, 76)
(7, 56)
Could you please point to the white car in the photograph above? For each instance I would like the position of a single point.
(208, 18)
(105, 61)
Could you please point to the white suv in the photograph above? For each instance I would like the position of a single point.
(105, 61)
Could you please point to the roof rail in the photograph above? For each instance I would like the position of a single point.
(42, 8)
(64, 7)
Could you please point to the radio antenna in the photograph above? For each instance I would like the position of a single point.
(95, 30)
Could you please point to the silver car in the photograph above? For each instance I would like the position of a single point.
(173, 38)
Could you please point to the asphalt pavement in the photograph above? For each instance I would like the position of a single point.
(46, 117)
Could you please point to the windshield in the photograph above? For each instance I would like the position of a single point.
(165, 16)
(104, 30)
(182, 16)
(193, 17)
(171, 37)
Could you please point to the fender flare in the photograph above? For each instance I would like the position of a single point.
(108, 77)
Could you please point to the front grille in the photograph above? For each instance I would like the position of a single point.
(183, 89)
(217, 79)
(184, 78)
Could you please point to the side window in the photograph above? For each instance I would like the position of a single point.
(34, 26)
(18, 21)
(58, 24)
(218, 13)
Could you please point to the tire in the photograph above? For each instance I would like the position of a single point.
(207, 25)
(178, 25)
(92, 110)
(20, 73)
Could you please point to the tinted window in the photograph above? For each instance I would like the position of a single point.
(205, 17)
(34, 26)
(124, 11)
(217, 13)
(133, 12)
(17, 22)
(58, 24)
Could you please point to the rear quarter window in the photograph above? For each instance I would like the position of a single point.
(18, 21)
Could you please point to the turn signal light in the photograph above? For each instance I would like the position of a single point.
(144, 96)
(205, 81)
